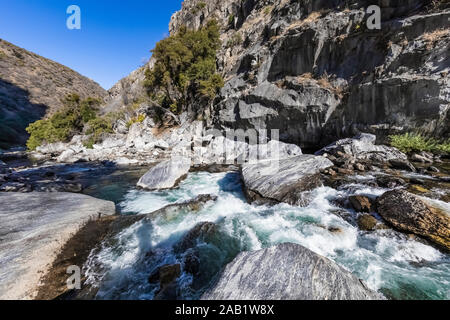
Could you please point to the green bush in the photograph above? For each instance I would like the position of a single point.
(138, 119)
(64, 124)
(185, 66)
(411, 142)
(96, 128)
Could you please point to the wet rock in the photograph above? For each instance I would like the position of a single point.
(418, 189)
(417, 181)
(287, 272)
(171, 211)
(390, 182)
(433, 169)
(283, 181)
(360, 167)
(367, 222)
(168, 274)
(165, 275)
(402, 164)
(192, 262)
(15, 187)
(203, 231)
(409, 213)
(423, 157)
(361, 203)
(166, 175)
(168, 292)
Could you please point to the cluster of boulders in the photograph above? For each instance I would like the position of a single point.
(360, 154)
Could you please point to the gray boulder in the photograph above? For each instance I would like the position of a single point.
(363, 147)
(283, 180)
(166, 175)
(287, 272)
(34, 228)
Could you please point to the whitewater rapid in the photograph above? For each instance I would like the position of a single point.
(387, 261)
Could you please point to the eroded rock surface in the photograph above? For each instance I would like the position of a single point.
(410, 213)
(287, 272)
(283, 180)
(34, 227)
(166, 175)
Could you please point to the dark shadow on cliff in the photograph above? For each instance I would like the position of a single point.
(16, 113)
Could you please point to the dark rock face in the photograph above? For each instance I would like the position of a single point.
(171, 210)
(200, 232)
(287, 272)
(318, 74)
(410, 213)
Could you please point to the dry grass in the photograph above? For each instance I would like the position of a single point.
(314, 16)
(431, 38)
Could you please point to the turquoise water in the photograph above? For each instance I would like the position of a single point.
(388, 261)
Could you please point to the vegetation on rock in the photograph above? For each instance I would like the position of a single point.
(185, 67)
(411, 142)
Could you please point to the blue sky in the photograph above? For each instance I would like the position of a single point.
(116, 36)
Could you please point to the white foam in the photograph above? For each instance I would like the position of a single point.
(379, 258)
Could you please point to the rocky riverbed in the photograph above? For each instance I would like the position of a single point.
(363, 210)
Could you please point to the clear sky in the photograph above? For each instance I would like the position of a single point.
(116, 36)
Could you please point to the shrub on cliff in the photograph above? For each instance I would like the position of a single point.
(64, 124)
(185, 65)
(96, 128)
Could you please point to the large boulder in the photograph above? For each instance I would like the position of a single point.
(284, 180)
(287, 272)
(34, 228)
(363, 147)
(220, 150)
(410, 213)
(166, 175)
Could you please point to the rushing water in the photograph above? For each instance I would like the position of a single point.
(393, 263)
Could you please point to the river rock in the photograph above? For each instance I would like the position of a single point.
(360, 203)
(410, 213)
(201, 232)
(363, 147)
(367, 222)
(287, 272)
(166, 175)
(34, 228)
(402, 164)
(283, 181)
(171, 211)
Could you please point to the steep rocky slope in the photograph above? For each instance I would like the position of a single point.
(31, 87)
(313, 70)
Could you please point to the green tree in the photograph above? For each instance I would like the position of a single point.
(185, 63)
